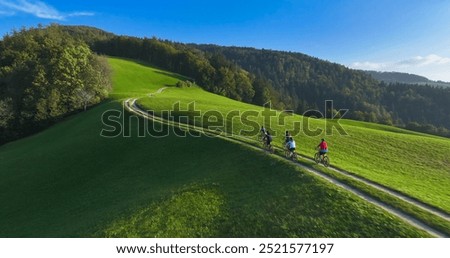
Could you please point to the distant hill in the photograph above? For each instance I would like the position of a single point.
(397, 77)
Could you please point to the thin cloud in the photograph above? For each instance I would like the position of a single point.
(80, 14)
(433, 66)
(368, 65)
(7, 13)
(39, 9)
(423, 61)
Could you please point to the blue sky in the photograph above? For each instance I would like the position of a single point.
(398, 35)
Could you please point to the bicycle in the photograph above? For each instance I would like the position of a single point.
(318, 159)
(291, 155)
(268, 148)
(261, 138)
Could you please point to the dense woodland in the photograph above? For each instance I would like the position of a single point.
(46, 74)
(394, 77)
(43, 72)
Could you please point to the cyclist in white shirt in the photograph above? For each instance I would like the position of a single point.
(291, 144)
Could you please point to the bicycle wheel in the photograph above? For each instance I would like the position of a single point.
(286, 153)
(271, 149)
(326, 161)
(294, 156)
(317, 158)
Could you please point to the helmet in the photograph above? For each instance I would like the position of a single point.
(323, 139)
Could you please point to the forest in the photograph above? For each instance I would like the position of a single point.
(45, 75)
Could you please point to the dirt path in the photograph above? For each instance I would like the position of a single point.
(130, 104)
(159, 91)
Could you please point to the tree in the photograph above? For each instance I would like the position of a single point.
(85, 97)
(46, 74)
(244, 87)
(6, 113)
(262, 92)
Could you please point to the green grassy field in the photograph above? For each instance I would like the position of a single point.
(413, 163)
(133, 79)
(68, 181)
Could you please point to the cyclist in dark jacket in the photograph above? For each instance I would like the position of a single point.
(268, 138)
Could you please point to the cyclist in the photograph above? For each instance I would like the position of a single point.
(291, 145)
(263, 132)
(287, 136)
(323, 148)
(268, 138)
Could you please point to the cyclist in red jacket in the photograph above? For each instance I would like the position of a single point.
(323, 148)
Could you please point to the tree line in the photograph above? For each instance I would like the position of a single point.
(291, 81)
(46, 74)
(211, 71)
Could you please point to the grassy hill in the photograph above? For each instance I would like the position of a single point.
(413, 163)
(68, 181)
